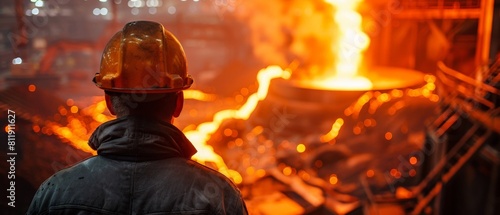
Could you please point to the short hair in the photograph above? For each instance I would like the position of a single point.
(155, 105)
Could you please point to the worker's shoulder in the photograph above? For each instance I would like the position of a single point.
(203, 172)
(74, 170)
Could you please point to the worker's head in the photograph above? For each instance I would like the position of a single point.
(164, 106)
(143, 71)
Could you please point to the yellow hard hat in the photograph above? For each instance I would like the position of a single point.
(143, 57)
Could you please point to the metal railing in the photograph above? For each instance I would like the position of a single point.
(461, 97)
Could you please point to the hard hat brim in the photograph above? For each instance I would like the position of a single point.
(145, 90)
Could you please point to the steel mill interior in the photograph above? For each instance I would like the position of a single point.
(309, 107)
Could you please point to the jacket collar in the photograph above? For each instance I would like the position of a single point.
(134, 138)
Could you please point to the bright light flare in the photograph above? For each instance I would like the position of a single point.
(348, 47)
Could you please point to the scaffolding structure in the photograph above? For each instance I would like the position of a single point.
(425, 10)
(473, 108)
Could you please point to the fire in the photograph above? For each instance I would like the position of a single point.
(375, 99)
(334, 132)
(77, 131)
(201, 135)
(348, 47)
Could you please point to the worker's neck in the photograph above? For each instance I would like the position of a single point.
(169, 119)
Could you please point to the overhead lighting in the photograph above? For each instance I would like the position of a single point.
(138, 3)
(103, 0)
(171, 10)
(17, 60)
(152, 10)
(35, 11)
(135, 11)
(104, 11)
(39, 3)
(96, 11)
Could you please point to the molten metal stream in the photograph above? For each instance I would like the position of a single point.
(201, 135)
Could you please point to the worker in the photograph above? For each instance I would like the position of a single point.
(143, 163)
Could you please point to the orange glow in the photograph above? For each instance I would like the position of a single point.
(32, 88)
(356, 130)
(63, 111)
(358, 105)
(348, 47)
(375, 99)
(77, 141)
(250, 170)
(96, 111)
(397, 93)
(430, 78)
(201, 135)
(369, 123)
(413, 160)
(287, 171)
(434, 98)
(70, 102)
(261, 149)
(238, 142)
(78, 131)
(260, 173)
(193, 112)
(333, 179)
(388, 135)
(394, 172)
(239, 98)
(244, 91)
(334, 132)
(228, 132)
(412, 173)
(370, 173)
(304, 175)
(198, 95)
(36, 128)
(6, 129)
(384, 97)
(301, 148)
(74, 109)
(189, 127)
(397, 175)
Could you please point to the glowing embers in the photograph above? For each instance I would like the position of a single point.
(334, 132)
(75, 125)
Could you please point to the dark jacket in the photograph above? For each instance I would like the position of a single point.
(143, 166)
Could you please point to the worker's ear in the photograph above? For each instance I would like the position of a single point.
(109, 104)
(179, 104)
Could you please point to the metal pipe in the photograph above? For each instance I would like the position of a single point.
(484, 34)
